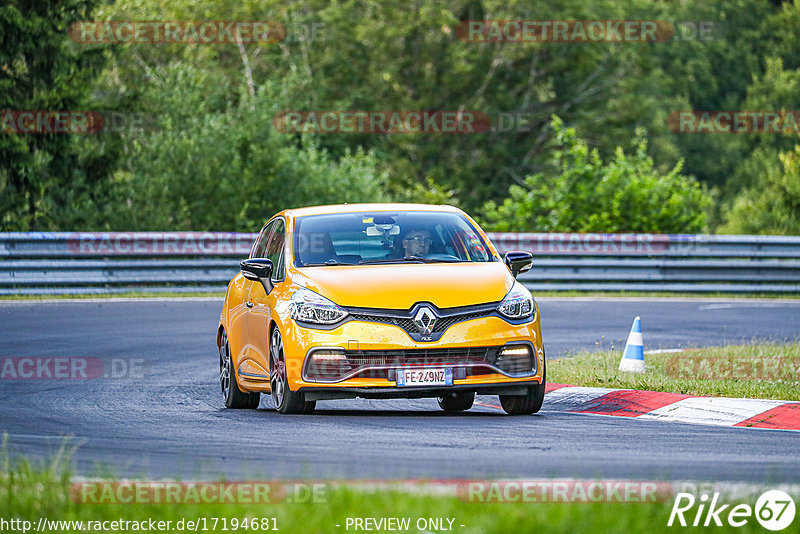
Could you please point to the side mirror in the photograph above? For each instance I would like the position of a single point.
(258, 269)
(518, 262)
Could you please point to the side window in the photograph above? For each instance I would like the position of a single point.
(260, 247)
(279, 274)
(275, 249)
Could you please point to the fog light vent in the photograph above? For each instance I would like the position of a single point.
(515, 359)
(327, 364)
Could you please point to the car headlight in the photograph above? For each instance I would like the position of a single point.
(310, 307)
(518, 304)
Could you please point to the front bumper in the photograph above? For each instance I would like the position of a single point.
(366, 337)
(323, 393)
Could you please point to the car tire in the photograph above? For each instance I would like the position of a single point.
(526, 404)
(309, 407)
(457, 402)
(231, 394)
(286, 400)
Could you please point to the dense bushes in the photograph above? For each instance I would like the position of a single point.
(585, 194)
(210, 158)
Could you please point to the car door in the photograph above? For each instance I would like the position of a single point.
(260, 304)
(240, 339)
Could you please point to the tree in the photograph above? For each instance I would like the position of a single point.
(202, 168)
(377, 56)
(772, 205)
(41, 175)
(584, 194)
(373, 55)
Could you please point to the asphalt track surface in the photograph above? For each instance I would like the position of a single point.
(171, 421)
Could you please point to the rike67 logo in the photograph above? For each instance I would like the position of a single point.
(774, 510)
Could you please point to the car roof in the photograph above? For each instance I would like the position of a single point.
(358, 208)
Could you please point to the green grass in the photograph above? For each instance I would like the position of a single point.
(763, 371)
(31, 491)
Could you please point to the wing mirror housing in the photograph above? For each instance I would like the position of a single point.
(518, 262)
(258, 269)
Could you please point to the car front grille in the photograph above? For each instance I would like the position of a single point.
(445, 318)
(406, 323)
(446, 322)
(446, 356)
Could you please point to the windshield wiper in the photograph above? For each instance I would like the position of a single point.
(326, 263)
(430, 260)
(408, 259)
(387, 260)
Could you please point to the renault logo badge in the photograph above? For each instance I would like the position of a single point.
(425, 319)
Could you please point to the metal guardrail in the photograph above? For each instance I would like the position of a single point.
(659, 262)
(67, 263)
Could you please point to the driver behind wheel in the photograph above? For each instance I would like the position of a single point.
(417, 242)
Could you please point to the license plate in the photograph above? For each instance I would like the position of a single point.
(424, 377)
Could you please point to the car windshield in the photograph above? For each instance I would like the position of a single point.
(387, 237)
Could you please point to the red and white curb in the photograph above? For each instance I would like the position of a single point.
(676, 407)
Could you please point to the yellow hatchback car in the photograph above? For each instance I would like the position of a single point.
(379, 301)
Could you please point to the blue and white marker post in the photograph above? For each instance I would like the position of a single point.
(633, 357)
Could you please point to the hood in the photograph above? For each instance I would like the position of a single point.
(400, 286)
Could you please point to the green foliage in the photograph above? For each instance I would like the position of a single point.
(378, 56)
(200, 168)
(429, 193)
(40, 70)
(584, 194)
(777, 89)
(772, 205)
(214, 105)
